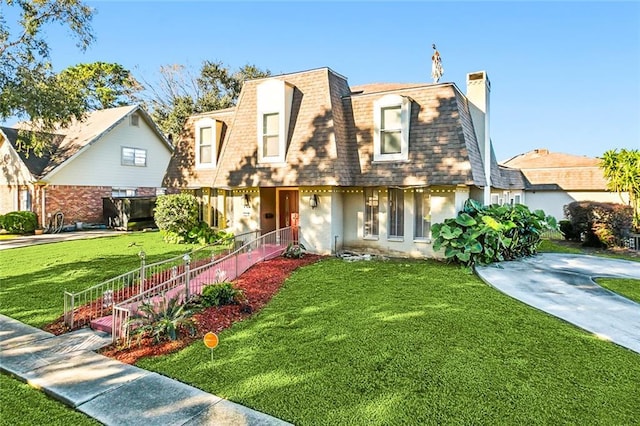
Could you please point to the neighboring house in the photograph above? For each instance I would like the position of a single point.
(366, 168)
(553, 180)
(111, 153)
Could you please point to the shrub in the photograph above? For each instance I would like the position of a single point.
(162, 321)
(486, 234)
(20, 222)
(220, 294)
(176, 215)
(603, 224)
(204, 234)
(570, 233)
(294, 251)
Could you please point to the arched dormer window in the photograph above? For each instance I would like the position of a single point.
(391, 128)
(274, 111)
(207, 134)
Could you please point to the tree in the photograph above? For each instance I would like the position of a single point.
(28, 85)
(622, 171)
(99, 85)
(179, 93)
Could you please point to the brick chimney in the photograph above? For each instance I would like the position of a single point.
(478, 94)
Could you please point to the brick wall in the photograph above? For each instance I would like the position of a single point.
(82, 203)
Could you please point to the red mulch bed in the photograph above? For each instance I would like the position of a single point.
(259, 284)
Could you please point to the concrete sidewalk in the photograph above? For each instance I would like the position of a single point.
(562, 285)
(31, 240)
(114, 393)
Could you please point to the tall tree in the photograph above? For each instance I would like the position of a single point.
(622, 171)
(28, 86)
(179, 93)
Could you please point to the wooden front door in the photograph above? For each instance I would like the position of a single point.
(288, 210)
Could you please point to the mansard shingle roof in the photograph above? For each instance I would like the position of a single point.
(330, 139)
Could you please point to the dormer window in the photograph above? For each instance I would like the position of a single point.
(273, 113)
(208, 133)
(391, 128)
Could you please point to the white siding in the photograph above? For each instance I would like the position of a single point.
(100, 164)
(12, 169)
(316, 226)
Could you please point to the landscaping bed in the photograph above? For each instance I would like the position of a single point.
(258, 284)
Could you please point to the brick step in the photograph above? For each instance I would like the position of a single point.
(103, 324)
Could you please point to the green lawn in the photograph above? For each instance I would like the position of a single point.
(33, 279)
(626, 287)
(410, 342)
(22, 405)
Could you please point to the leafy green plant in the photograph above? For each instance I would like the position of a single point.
(294, 251)
(568, 231)
(603, 224)
(161, 320)
(220, 294)
(486, 234)
(22, 222)
(176, 215)
(204, 234)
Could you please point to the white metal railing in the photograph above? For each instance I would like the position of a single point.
(634, 242)
(192, 279)
(97, 301)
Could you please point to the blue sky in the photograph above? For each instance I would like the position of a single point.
(565, 75)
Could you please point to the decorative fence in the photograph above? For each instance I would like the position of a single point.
(193, 277)
(97, 301)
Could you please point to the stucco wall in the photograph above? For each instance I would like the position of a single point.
(552, 202)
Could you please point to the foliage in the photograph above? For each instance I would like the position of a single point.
(176, 215)
(486, 234)
(602, 224)
(22, 222)
(220, 294)
(410, 342)
(622, 171)
(28, 85)
(570, 233)
(99, 85)
(162, 320)
(180, 93)
(294, 251)
(203, 234)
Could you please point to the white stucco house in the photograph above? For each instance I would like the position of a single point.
(366, 168)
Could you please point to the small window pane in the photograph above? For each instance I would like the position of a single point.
(205, 153)
(391, 118)
(205, 136)
(271, 124)
(371, 212)
(396, 212)
(391, 143)
(422, 213)
(271, 146)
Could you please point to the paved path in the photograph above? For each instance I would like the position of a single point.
(30, 240)
(66, 368)
(562, 285)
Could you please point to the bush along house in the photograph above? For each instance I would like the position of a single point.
(364, 168)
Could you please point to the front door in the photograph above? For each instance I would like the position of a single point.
(288, 210)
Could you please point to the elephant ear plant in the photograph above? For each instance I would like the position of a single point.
(480, 235)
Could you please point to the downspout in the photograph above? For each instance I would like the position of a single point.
(487, 152)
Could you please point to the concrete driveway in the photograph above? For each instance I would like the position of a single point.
(562, 285)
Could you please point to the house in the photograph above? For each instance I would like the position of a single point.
(112, 152)
(365, 168)
(553, 180)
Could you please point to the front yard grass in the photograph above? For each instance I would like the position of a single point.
(20, 404)
(410, 342)
(626, 287)
(33, 279)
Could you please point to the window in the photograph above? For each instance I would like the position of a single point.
(204, 145)
(25, 200)
(390, 131)
(134, 157)
(517, 199)
(123, 192)
(134, 120)
(271, 135)
(391, 128)
(422, 213)
(494, 199)
(396, 212)
(370, 213)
